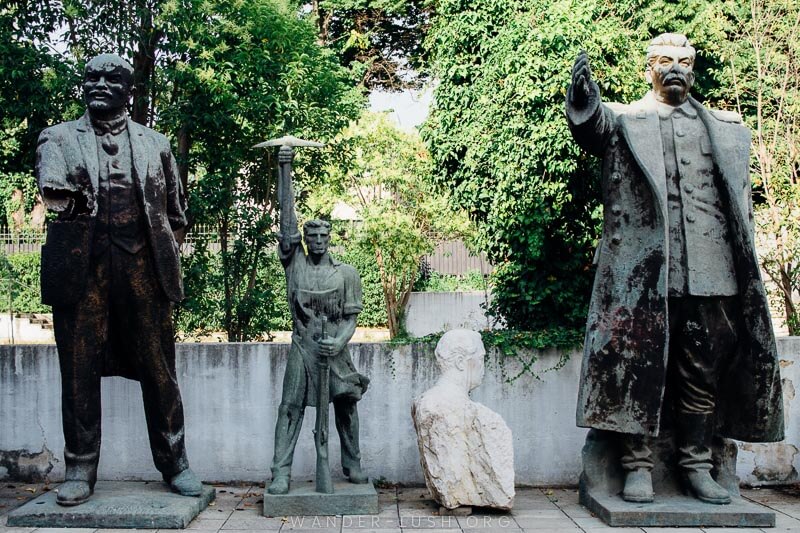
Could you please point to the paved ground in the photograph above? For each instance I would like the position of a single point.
(408, 510)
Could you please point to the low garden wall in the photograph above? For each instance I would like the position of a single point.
(231, 394)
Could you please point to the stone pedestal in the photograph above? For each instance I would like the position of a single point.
(303, 500)
(602, 481)
(116, 504)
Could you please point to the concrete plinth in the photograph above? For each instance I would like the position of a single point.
(347, 499)
(116, 504)
(673, 510)
(602, 482)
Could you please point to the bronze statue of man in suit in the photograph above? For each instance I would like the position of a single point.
(111, 271)
(678, 304)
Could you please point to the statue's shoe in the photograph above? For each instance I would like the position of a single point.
(279, 485)
(702, 485)
(638, 486)
(356, 475)
(186, 483)
(73, 493)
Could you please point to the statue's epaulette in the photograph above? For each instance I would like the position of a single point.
(726, 116)
(617, 107)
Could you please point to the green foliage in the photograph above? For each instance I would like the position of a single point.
(380, 40)
(384, 173)
(500, 143)
(437, 282)
(19, 279)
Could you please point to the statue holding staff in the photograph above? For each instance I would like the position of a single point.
(324, 299)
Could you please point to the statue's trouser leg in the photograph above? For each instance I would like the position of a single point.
(346, 414)
(637, 462)
(636, 453)
(703, 340)
(141, 329)
(81, 333)
(290, 416)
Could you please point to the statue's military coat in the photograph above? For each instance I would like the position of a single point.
(627, 336)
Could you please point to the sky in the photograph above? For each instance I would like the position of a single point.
(408, 108)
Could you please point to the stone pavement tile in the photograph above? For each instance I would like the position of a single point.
(784, 522)
(534, 505)
(487, 521)
(312, 530)
(212, 513)
(546, 523)
(429, 522)
(672, 530)
(735, 530)
(575, 511)
(609, 529)
(4, 529)
(370, 521)
(791, 510)
(589, 522)
(126, 530)
(207, 524)
(370, 530)
(65, 530)
(497, 529)
(412, 530)
(261, 523)
(563, 529)
(555, 512)
(561, 495)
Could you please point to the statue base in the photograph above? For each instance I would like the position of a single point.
(116, 505)
(303, 500)
(602, 481)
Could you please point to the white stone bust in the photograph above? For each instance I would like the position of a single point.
(465, 448)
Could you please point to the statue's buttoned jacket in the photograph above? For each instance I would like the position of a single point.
(627, 337)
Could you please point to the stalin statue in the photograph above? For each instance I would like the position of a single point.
(678, 320)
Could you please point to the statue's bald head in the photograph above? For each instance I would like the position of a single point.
(109, 62)
(107, 82)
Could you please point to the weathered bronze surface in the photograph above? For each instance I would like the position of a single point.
(678, 320)
(111, 271)
(325, 299)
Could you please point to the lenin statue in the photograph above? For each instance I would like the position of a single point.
(678, 305)
(111, 272)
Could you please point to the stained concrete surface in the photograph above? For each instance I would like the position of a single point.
(410, 510)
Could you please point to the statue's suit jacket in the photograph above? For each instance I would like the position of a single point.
(627, 334)
(66, 160)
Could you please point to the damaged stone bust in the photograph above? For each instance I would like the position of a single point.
(678, 327)
(111, 272)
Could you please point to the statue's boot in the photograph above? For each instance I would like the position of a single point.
(80, 477)
(73, 493)
(346, 414)
(287, 429)
(638, 486)
(186, 483)
(696, 432)
(637, 462)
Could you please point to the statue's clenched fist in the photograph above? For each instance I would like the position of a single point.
(582, 89)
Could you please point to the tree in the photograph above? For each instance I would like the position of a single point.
(500, 143)
(217, 76)
(762, 69)
(384, 173)
(379, 39)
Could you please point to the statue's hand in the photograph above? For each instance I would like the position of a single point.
(285, 155)
(583, 89)
(327, 347)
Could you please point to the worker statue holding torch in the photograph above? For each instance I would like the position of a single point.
(325, 299)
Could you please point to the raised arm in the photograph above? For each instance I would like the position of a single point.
(590, 121)
(289, 236)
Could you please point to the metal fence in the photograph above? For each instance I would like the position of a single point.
(450, 257)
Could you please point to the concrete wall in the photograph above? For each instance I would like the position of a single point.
(231, 394)
(432, 312)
